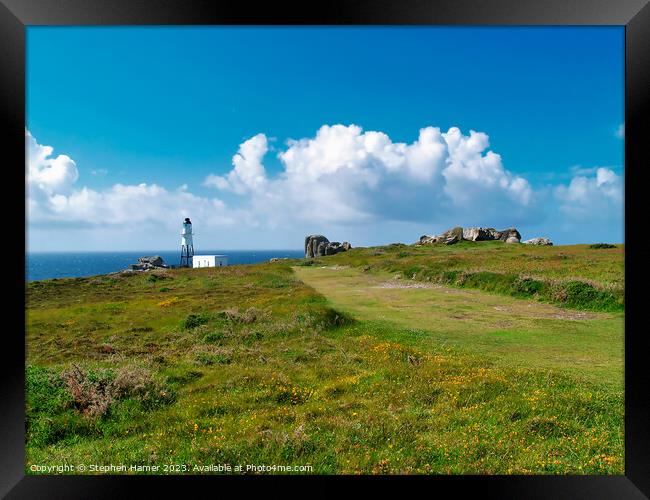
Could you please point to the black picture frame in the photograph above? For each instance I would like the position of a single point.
(15, 15)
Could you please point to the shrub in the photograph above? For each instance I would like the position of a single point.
(213, 337)
(132, 381)
(449, 276)
(602, 245)
(90, 391)
(252, 337)
(492, 282)
(194, 320)
(327, 317)
(526, 287)
(411, 271)
(164, 289)
(250, 315)
(233, 315)
(93, 392)
(582, 295)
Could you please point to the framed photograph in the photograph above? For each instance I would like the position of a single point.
(388, 243)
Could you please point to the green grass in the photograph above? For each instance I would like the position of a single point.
(268, 364)
(509, 331)
(578, 276)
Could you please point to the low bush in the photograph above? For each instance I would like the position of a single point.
(602, 245)
(91, 391)
(250, 315)
(527, 287)
(213, 337)
(581, 295)
(328, 317)
(94, 391)
(86, 402)
(194, 320)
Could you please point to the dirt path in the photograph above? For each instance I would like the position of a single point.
(512, 330)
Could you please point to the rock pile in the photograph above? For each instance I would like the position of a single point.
(317, 245)
(147, 263)
(538, 241)
(451, 236)
(489, 233)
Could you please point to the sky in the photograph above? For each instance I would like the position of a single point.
(372, 135)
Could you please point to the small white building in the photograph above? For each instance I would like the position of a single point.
(209, 260)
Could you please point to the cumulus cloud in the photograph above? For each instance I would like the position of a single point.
(346, 175)
(54, 198)
(130, 204)
(339, 177)
(600, 194)
(248, 173)
(45, 172)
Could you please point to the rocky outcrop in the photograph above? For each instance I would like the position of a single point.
(147, 263)
(312, 242)
(478, 233)
(451, 236)
(510, 235)
(538, 241)
(317, 245)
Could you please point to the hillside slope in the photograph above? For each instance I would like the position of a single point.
(250, 365)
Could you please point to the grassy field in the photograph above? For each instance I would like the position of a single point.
(493, 358)
(576, 276)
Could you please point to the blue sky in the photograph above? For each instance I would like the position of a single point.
(169, 107)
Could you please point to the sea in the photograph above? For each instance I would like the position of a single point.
(48, 265)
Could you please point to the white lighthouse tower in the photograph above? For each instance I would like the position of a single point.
(187, 245)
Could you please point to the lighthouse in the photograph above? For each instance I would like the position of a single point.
(187, 245)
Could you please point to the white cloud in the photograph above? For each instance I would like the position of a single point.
(54, 198)
(598, 195)
(248, 172)
(471, 176)
(46, 173)
(338, 178)
(346, 175)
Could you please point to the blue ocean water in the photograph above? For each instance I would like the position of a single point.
(46, 265)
